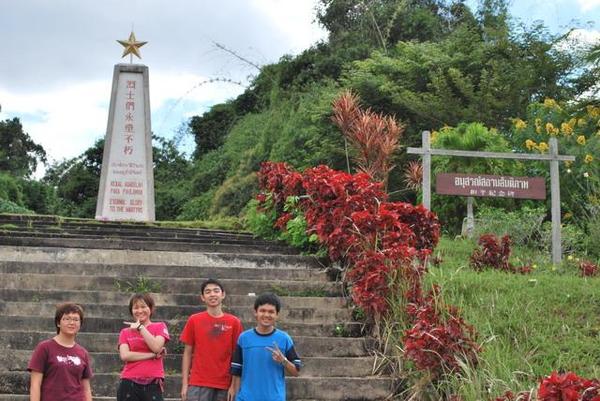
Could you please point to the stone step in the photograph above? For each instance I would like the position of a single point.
(14, 238)
(124, 231)
(138, 235)
(153, 257)
(114, 325)
(135, 270)
(109, 362)
(166, 284)
(245, 312)
(106, 342)
(324, 388)
(11, 220)
(122, 298)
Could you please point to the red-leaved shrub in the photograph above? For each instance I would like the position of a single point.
(440, 339)
(494, 253)
(568, 387)
(588, 268)
(376, 240)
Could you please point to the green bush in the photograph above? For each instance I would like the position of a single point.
(523, 225)
(197, 208)
(10, 189)
(39, 197)
(573, 239)
(295, 230)
(7, 206)
(209, 172)
(593, 236)
(231, 198)
(260, 222)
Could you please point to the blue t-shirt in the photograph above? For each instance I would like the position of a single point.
(263, 379)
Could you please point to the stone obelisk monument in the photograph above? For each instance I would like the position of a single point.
(127, 180)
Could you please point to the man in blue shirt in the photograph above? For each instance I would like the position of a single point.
(264, 355)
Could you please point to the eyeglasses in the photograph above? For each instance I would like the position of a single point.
(71, 319)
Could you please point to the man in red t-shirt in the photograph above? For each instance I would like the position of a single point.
(210, 338)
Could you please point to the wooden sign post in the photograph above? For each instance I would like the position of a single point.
(553, 157)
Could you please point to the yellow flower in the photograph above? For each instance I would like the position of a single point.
(581, 140)
(434, 135)
(520, 124)
(593, 111)
(538, 130)
(550, 130)
(538, 122)
(570, 257)
(551, 104)
(566, 129)
(568, 215)
(542, 147)
(581, 122)
(529, 144)
(568, 163)
(588, 158)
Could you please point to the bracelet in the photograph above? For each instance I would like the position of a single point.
(284, 362)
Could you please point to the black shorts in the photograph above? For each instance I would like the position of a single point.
(131, 391)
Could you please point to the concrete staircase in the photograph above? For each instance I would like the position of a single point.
(44, 261)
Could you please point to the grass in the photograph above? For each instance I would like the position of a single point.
(528, 325)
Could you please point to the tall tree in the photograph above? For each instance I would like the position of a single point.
(19, 154)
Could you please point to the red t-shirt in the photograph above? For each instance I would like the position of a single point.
(149, 368)
(64, 368)
(214, 339)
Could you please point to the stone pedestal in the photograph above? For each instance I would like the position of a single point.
(127, 180)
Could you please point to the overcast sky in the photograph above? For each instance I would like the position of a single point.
(57, 56)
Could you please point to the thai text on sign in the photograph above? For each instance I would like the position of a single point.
(495, 186)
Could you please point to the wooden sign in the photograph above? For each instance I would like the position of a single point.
(494, 186)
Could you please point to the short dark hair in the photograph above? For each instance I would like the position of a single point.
(64, 309)
(145, 297)
(268, 298)
(210, 281)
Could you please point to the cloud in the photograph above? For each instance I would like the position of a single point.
(587, 5)
(586, 36)
(66, 121)
(57, 79)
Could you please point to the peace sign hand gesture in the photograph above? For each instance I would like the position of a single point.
(134, 325)
(277, 354)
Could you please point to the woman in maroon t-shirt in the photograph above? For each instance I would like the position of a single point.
(60, 368)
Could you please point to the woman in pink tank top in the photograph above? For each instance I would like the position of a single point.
(142, 348)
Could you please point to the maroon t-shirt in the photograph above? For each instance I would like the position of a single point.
(63, 368)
